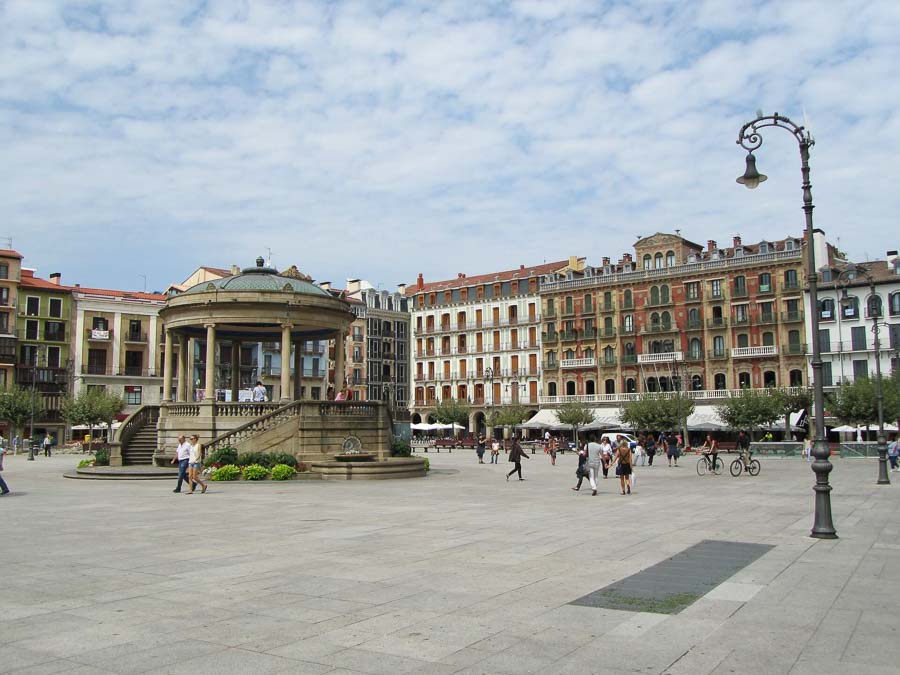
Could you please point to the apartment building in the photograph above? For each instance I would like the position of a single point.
(10, 273)
(675, 315)
(477, 339)
(847, 313)
(44, 340)
(117, 343)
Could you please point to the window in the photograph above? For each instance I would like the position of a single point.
(4, 296)
(654, 321)
(133, 395)
(99, 323)
(648, 263)
(874, 306)
(740, 286)
(570, 304)
(715, 288)
(609, 356)
(858, 338)
(694, 318)
(55, 331)
(590, 388)
(570, 388)
(670, 259)
(850, 307)
(53, 357)
(692, 290)
(628, 323)
(32, 306)
(55, 308)
(765, 282)
(894, 332)
(664, 294)
(569, 354)
(824, 340)
(768, 338)
(630, 386)
(743, 380)
(627, 299)
(696, 383)
(894, 303)
(696, 348)
(658, 261)
(740, 315)
(767, 311)
(827, 379)
(719, 381)
(790, 279)
(769, 379)
(654, 295)
(796, 378)
(4, 271)
(666, 321)
(860, 369)
(743, 340)
(826, 309)
(610, 386)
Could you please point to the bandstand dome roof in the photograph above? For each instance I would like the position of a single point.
(259, 278)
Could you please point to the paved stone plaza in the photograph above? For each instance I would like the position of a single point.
(460, 572)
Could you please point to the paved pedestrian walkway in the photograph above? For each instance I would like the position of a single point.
(460, 572)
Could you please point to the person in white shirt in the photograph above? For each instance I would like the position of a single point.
(594, 460)
(259, 393)
(194, 466)
(606, 451)
(182, 456)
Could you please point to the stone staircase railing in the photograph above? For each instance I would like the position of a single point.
(140, 418)
(255, 426)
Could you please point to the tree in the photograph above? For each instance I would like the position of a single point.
(752, 409)
(856, 402)
(452, 411)
(791, 403)
(91, 407)
(508, 415)
(657, 412)
(576, 414)
(17, 406)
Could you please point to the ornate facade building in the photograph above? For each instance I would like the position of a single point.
(676, 315)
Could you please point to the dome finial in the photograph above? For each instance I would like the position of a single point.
(260, 261)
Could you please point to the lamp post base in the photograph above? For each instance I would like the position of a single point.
(823, 525)
(883, 478)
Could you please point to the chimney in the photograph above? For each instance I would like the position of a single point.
(605, 261)
(401, 289)
(56, 278)
(420, 282)
(711, 245)
(737, 241)
(325, 285)
(352, 285)
(460, 275)
(573, 262)
(626, 257)
(235, 270)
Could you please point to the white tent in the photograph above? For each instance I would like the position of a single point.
(545, 419)
(847, 429)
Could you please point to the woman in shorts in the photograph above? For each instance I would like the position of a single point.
(195, 466)
(554, 445)
(624, 459)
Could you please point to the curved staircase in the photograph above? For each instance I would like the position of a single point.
(138, 436)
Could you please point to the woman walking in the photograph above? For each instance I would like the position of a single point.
(554, 445)
(624, 460)
(194, 465)
(479, 448)
(606, 452)
(495, 451)
(515, 455)
(582, 469)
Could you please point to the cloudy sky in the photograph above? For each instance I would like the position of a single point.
(380, 139)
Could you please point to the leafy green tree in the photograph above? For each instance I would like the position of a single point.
(17, 406)
(508, 415)
(575, 413)
(751, 410)
(452, 411)
(856, 402)
(91, 407)
(793, 402)
(657, 412)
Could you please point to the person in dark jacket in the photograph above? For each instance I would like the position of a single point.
(515, 455)
(582, 469)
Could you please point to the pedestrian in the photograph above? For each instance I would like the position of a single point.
(47, 443)
(594, 460)
(807, 449)
(554, 444)
(672, 448)
(650, 448)
(183, 457)
(582, 466)
(624, 460)
(259, 393)
(15, 444)
(515, 455)
(194, 464)
(479, 448)
(894, 453)
(4, 488)
(495, 451)
(606, 452)
(640, 455)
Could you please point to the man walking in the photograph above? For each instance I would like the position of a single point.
(48, 443)
(259, 393)
(15, 443)
(182, 456)
(4, 489)
(594, 459)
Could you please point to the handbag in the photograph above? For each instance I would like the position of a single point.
(618, 469)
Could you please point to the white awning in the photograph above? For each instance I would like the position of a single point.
(544, 419)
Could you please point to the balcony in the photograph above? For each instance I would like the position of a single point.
(739, 292)
(627, 330)
(568, 335)
(135, 336)
(717, 354)
(792, 317)
(588, 309)
(660, 328)
(766, 289)
(665, 357)
(696, 297)
(627, 304)
(694, 356)
(589, 333)
(740, 321)
(607, 307)
(767, 318)
(551, 365)
(568, 311)
(694, 324)
(629, 359)
(717, 322)
(550, 313)
(54, 336)
(792, 285)
(99, 335)
(357, 337)
(608, 362)
(754, 352)
(608, 332)
(795, 348)
(578, 363)
(550, 337)
(96, 369)
(661, 302)
(357, 358)
(716, 294)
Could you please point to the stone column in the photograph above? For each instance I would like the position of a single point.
(210, 390)
(298, 368)
(167, 366)
(339, 378)
(182, 393)
(286, 362)
(235, 369)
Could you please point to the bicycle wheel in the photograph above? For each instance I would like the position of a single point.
(754, 467)
(719, 466)
(736, 467)
(701, 466)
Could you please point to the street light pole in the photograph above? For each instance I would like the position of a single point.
(489, 376)
(749, 138)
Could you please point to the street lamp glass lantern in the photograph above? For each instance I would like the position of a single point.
(751, 178)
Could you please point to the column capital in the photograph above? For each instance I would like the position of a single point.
(209, 324)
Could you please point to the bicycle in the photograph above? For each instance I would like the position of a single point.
(738, 467)
(704, 464)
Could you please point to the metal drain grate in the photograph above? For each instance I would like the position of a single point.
(673, 584)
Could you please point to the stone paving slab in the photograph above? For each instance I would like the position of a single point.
(460, 572)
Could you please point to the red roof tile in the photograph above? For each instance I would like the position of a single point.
(137, 295)
(507, 275)
(31, 281)
(221, 271)
(9, 253)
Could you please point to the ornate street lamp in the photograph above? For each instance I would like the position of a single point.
(489, 376)
(750, 139)
(873, 307)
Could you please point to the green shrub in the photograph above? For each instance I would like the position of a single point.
(400, 448)
(427, 465)
(261, 458)
(283, 458)
(227, 472)
(85, 462)
(255, 472)
(221, 457)
(101, 457)
(302, 467)
(282, 472)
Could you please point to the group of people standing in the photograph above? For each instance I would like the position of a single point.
(481, 445)
(597, 456)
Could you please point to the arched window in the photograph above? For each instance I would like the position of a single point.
(668, 346)
(655, 347)
(654, 295)
(629, 348)
(609, 355)
(658, 261)
(628, 323)
(743, 380)
(718, 346)
(743, 340)
(793, 337)
(850, 307)
(570, 304)
(607, 300)
(665, 384)
(769, 379)
(608, 326)
(648, 261)
(570, 388)
(670, 258)
(696, 348)
(652, 384)
(630, 386)
(874, 306)
(654, 320)
(569, 354)
(697, 382)
(894, 302)
(768, 338)
(588, 353)
(796, 378)
(790, 278)
(626, 299)
(719, 381)
(590, 388)
(666, 320)
(664, 294)
(610, 386)
(551, 389)
(826, 309)
(694, 318)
